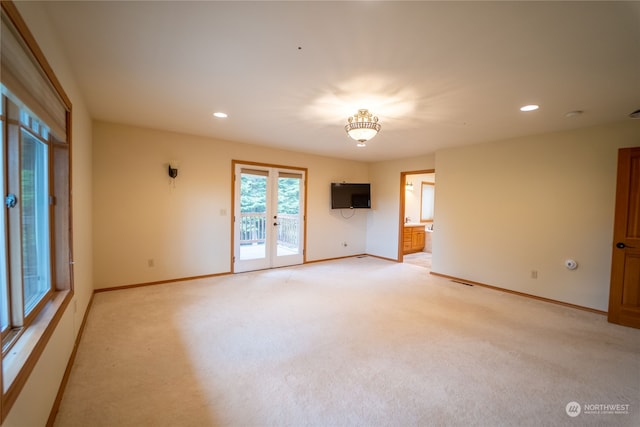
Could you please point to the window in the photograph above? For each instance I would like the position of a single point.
(4, 291)
(36, 259)
(427, 197)
(27, 263)
(35, 231)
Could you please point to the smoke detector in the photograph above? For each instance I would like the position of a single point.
(574, 113)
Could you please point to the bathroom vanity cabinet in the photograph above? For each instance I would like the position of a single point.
(413, 239)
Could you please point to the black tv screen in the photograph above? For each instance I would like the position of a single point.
(350, 196)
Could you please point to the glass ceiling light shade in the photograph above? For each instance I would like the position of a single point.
(362, 127)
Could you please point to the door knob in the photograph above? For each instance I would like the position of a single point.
(275, 223)
(621, 245)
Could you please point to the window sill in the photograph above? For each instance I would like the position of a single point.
(20, 360)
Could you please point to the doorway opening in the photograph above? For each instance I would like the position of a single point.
(416, 220)
(269, 212)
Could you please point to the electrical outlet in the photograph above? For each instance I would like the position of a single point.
(534, 274)
(150, 262)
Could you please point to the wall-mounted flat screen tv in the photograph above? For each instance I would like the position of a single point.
(350, 196)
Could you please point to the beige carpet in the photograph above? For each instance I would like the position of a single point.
(422, 259)
(355, 342)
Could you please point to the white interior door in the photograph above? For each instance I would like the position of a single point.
(268, 217)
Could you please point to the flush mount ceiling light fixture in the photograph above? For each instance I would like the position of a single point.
(362, 127)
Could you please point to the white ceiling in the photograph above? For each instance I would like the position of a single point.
(437, 74)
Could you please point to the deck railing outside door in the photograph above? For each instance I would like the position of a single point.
(253, 229)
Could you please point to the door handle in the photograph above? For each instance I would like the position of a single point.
(10, 201)
(621, 245)
(276, 223)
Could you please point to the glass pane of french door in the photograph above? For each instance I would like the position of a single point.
(253, 214)
(289, 214)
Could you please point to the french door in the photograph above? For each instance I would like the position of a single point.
(269, 216)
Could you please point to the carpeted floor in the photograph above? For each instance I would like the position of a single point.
(422, 259)
(354, 342)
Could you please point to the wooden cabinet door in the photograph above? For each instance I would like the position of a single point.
(624, 295)
(418, 240)
(406, 240)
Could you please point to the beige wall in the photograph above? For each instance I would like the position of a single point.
(506, 208)
(34, 403)
(140, 215)
(182, 229)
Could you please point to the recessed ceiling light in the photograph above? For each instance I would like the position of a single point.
(220, 115)
(530, 107)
